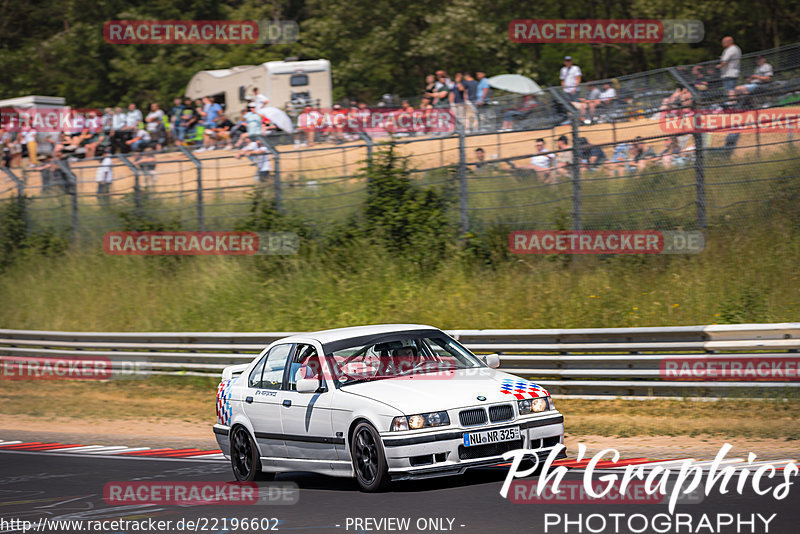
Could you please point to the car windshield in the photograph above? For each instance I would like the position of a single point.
(401, 356)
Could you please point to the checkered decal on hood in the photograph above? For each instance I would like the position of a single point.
(522, 389)
(224, 402)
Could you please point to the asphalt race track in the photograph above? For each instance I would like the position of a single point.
(62, 486)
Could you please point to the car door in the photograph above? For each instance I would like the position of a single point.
(306, 417)
(262, 400)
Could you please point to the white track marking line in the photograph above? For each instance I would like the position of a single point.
(110, 450)
(78, 449)
(127, 449)
(9, 442)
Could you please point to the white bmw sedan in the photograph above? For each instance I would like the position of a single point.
(380, 403)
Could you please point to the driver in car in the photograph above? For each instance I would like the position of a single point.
(406, 359)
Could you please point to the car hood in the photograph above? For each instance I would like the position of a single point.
(444, 391)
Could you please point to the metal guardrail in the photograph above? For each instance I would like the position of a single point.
(590, 361)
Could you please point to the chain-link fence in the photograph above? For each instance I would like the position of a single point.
(667, 153)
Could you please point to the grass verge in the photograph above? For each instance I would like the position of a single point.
(191, 400)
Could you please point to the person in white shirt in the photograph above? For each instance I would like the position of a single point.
(761, 77)
(601, 99)
(570, 78)
(104, 177)
(29, 140)
(729, 64)
(542, 162)
(259, 100)
(259, 154)
(155, 116)
(118, 135)
(133, 118)
(141, 140)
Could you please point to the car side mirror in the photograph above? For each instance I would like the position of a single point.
(305, 381)
(492, 360)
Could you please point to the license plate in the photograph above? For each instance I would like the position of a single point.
(491, 436)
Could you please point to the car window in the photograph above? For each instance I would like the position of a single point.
(272, 377)
(255, 374)
(304, 355)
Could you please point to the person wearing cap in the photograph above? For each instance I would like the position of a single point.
(570, 78)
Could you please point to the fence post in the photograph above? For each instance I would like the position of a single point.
(368, 140)
(199, 167)
(74, 192)
(700, 179)
(463, 201)
(276, 173)
(137, 186)
(577, 223)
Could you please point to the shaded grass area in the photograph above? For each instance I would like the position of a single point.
(191, 399)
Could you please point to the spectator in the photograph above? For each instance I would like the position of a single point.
(259, 154)
(480, 159)
(118, 133)
(154, 118)
(643, 155)
(104, 177)
(570, 76)
(680, 98)
(190, 118)
(619, 157)
(159, 135)
(5, 141)
(757, 82)
(239, 130)
(133, 118)
(252, 124)
(699, 79)
(591, 156)
(259, 100)
(729, 64)
(541, 163)
(529, 103)
(211, 110)
(98, 138)
(470, 97)
(435, 91)
(564, 159)
(28, 135)
(445, 85)
(457, 97)
(672, 155)
(218, 134)
(140, 140)
(175, 114)
(482, 102)
(597, 99)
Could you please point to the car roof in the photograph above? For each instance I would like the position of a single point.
(339, 334)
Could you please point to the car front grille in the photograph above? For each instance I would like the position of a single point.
(501, 412)
(473, 417)
(490, 449)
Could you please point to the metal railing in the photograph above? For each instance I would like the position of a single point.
(593, 362)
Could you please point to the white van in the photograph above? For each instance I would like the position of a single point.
(289, 85)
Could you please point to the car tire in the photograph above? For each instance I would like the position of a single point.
(245, 460)
(369, 460)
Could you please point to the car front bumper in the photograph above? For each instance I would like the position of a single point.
(412, 455)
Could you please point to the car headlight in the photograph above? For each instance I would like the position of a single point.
(527, 406)
(422, 420)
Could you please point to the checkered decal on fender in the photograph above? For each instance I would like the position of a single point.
(224, 402)
(522, 389)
